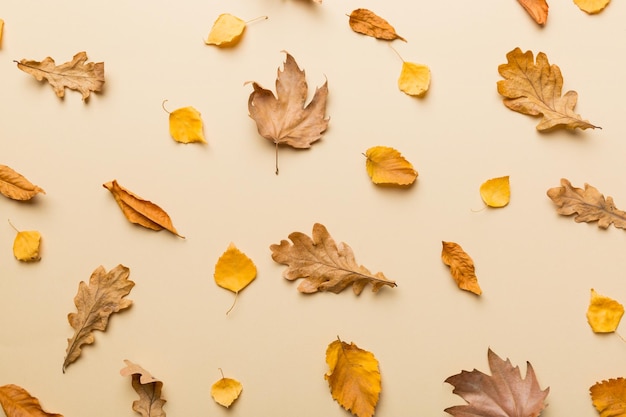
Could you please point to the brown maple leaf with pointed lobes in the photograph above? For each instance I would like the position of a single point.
(150, 403)
(284, 118)
(503, 394)
(17, 402)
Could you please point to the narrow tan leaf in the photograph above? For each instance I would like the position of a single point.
(17, 402)
(150, 403)
(368, 23)
(537, 9)
(385, 165)
(609, 397)
(139, 211)
(16, 186)
(461, 267)
(95, 302)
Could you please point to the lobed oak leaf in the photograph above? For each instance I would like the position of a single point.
(461, 267)
(150, 403)
(503, 394)
(17, 402)
(368, 23)
(226, 390)
(496, 192)
(537, 9)
(75, 74)
(588, 205)
(95, 302)
(535, 89)
(186, 125)
(26, 245)
(414, 79)
(592, 6)
(603, 313)
(234, 271)
(609, 397)
(15, 186)
(324, 264)
(385, 165)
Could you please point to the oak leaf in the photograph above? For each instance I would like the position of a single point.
(496, 192)
(503, 394)
(385, 165)
(414, 79)
(603, 313)
(150, 403)
(26, 245)
(139, 211)
(353, 377)
(592, 6)
(234, 271)
(95, 302)
(537, 9)
(609, 397)
(17, 402)
(186, 125)
(461, 267)
(368, 23)
(284, 118)
(226, 390)
(75, 74)
(588, 205)
(535, 89)
(324, 264)
(16, 186)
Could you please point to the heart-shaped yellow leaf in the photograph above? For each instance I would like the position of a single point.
(234, 271)
(227, 31)
(226, 391)
(592, 6)
(386, 165)
(414, 79)
(186, 125)
(496, 192)
(604, 313)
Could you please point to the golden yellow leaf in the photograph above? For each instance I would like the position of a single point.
(496, 192)
(603, 313)
(414, 79)
(609, 397)
(225, 391)
(353, 377)
(17, 402)
(368, 23)
(186, 125)
(461, 267)
(139, 211)
(386, 165)
(537, 9)
(234, 271)
(16, 186)
(227, 31)
(26, 246)
(150, 403)
(592, 6)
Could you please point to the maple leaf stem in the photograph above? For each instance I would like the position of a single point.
(276, 157)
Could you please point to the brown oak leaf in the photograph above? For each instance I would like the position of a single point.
(95, 302)
(368, 23)
(324, 264)
(75, 74)
(537, 9)
(588, 205)
(503, 394)
(284, 118)
(461, 267)
(17, 402)
(609, 397)
(150, 403)
(16, 186)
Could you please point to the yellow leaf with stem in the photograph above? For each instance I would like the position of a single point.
(386, 165)
(496, 192)
(414, 79)
(226, 390)
(26, 245)
(592, 6)
(234, 271)
(604, 313)
(186, 125)
(227, 30)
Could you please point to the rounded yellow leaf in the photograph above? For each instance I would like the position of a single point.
(234, 270)
(227, 31)
(604, 313)
(226, 391)
(496, 192)
(592, 6)
(26, 246)
(386, 165)
(186, 125)
(414, 79)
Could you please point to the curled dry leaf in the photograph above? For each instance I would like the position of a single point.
(609, 397)
(461, 267)
(353, 377)
(324, 264)
(386, 165)
(17, 402)
(604, 313)
(368, 23)
(186, 125)
(150, 403)
(26, 245)
(139, 211)
(588, 205)
(535, 89)
(234, 270)
(75, 74)
(226, 390)
(496, 192)
(16, 186)
(592, 6)
(414, 79)
(95, 302)
(537, 9)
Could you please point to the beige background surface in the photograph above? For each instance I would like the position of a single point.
(536, 268)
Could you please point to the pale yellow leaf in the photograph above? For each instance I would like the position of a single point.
(186, 125)
(17, 402)
(26, 246)
(227, 31)
(592, 6)
(496, 192)
(225, 391)
(385, 165)
(604, 313)
(414, 79)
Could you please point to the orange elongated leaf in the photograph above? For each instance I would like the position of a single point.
(609, 397)
(150, 403)
(16, 186)
(535, 89)
(504, 393)
(353, 377)
(95, 302)
(139, 211)
(588, 205)
(76, 74)
(17, 402)
(368, 23)
(385, 165)
(537, 9)
(461, 267)
(324, 264)
(604, 313)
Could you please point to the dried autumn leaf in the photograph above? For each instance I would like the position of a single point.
(461, 267)
(150, 403)
(368, 23)
(285, 119)
(496, 192)
(535, 89)
(95, 302)
(186, 125)
(139, 211)
(537, 9)
(1, 30)
(592, 6)
(609, 397)
(414, 79)
(234, 270)
(503, 394)
(75, 74)
(16, 186)
(604, 313)
(227, 31)
(26, 245)
(324, 264)
(353, 377)
(386, 165)
(17, 402)
(588, 205)
(225, 391)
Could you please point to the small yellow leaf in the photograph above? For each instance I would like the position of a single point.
(414, 79)
(604, 313)
(234, 270)
(226, 391)
(496, 192)
(227, 31)
(461, 267)
(26, 246)
(186, 125)
(592, 6)
(386, 165)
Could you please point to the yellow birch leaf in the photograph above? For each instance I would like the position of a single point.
(186, 125)
(386, 165)
(16, 186)
(461, 267)
(17, 402)
(225, 391)
(609, 397)
(26, 246)
(234, 271)
(414, 79)
(592, 6)
(227, 31)
(604, 313)
(496, 192)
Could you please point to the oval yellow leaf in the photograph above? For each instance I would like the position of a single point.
(226, 391)
(234, 270)
(496, 192)
(592, 6)
(227, 31)
(604, 313)
(414, 79)
(186, 125)
(386, 165)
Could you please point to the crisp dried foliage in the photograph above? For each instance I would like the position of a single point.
(461, 267)
(76, 75)
(503, 394)
(537, 9)
(414, 79)
(26, 246)
(95, 302)
(1, 30)
(535, 89)
(17, 402)
(227, 31)
(225, 391)
(592, 6)
(353, 377)
(186, 125)
(496, 192)
(234, 270)
(139, 211)
(385, 165)
(324, 264)
(150, 403)
(588, 205)
(15, 186)
(604, 313)
(609, 397)
(368, 23)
